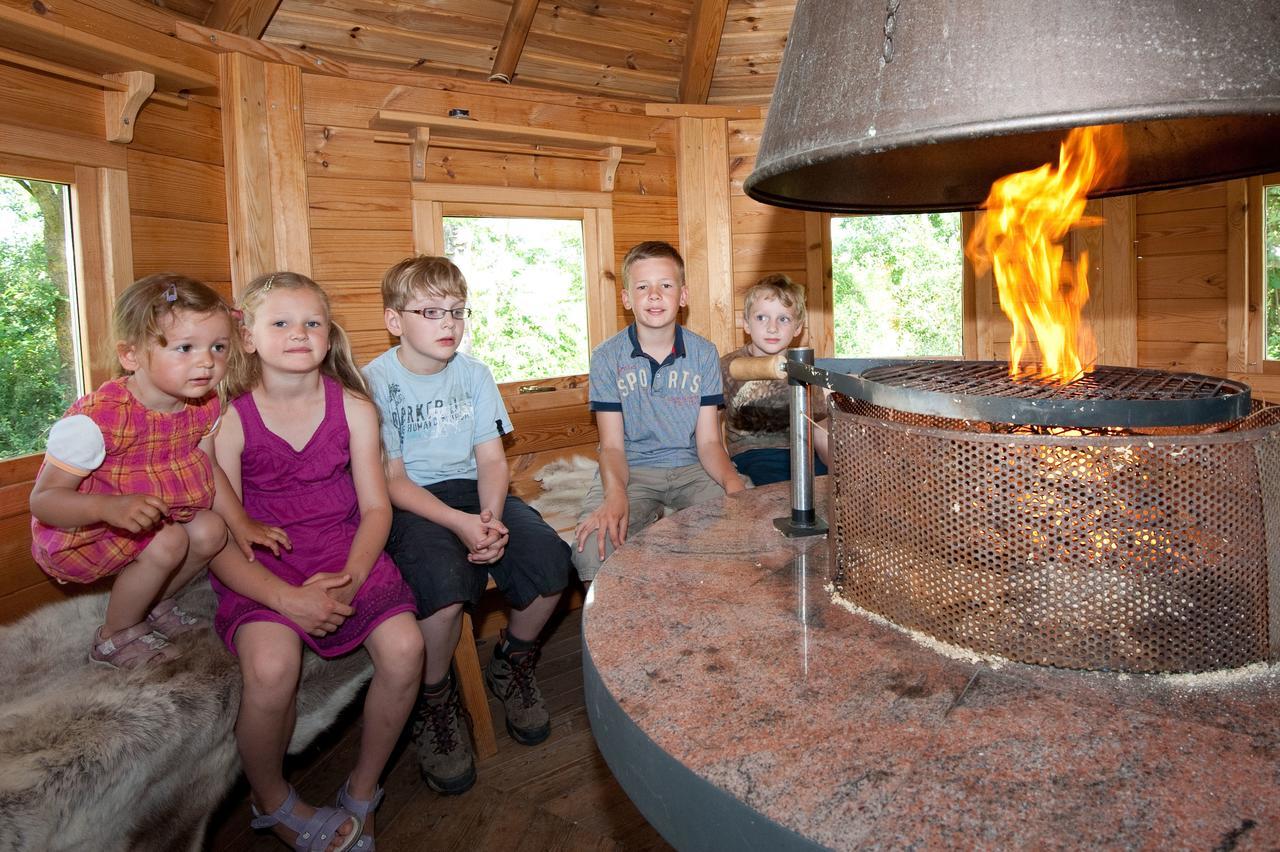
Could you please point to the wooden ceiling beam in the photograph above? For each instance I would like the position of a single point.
(701, 47)
(243, 17)
(513, 38)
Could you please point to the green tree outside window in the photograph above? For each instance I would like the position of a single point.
(897, 285)
(525, 282)
(38, 375)
(1271, 267)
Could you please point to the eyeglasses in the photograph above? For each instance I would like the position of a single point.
(438, 313)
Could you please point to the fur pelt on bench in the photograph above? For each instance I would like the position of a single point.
(95, 758)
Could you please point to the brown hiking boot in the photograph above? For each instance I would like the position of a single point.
(441, 737)
(510, 678)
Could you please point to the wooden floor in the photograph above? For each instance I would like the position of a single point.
(557, 795)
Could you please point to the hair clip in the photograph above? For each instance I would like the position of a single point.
(171, 295)
(266, 288)
(237, 314)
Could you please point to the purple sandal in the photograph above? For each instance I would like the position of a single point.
(170, 620)
(361, 810)
(132, 648)
(314, 834)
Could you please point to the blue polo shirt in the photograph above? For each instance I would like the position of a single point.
(659, 401)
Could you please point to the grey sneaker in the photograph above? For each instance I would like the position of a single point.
(512, 681)
(444, 747)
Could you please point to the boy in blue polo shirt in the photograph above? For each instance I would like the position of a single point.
(655, 389)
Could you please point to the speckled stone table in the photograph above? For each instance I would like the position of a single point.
(741, 709)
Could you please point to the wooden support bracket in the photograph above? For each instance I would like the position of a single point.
(419, 141)
(121, 108)
(609, 167)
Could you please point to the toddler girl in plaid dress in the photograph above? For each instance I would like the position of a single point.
(127, 484)
(300, 442)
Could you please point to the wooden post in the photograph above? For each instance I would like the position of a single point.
(513, 38)
(705, 238)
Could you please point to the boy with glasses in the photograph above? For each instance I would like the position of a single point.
(454, 523)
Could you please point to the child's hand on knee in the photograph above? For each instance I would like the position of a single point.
(313, 605)
(609, 519)
(134, 512)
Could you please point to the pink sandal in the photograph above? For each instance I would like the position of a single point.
(170, 620)
(132, 648)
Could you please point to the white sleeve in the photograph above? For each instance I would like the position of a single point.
(76, 445)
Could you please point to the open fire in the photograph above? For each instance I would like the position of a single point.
(1021, 240)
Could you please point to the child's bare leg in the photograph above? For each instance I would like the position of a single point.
(206, 536)
(396, 648)
(271, 664)
(440, 632)
(526, 624)
(138, 586)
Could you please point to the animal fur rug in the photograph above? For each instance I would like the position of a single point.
(564, 487)
(95, 758)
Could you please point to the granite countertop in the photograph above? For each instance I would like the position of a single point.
(718, 640)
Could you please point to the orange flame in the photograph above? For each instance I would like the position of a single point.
(1021, 239)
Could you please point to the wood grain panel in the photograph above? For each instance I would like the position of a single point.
(175, 188)
(194, 133)
(353, 255)
(1182, 320)
(1182, 232)
(1184, 198)
(198, 249)
(50, 103)
(359, 204)
(752, 217)
(549, 429)
(1182, 276)
(1183, 356)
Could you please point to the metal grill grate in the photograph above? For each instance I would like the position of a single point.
(991, 378)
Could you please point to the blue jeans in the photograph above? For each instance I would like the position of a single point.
(771, 465)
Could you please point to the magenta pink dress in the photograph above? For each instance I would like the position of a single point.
(310, 493)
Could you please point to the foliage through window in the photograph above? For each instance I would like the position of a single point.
(897, 285)
(39, 377)
(1271, 267)
(525, 281)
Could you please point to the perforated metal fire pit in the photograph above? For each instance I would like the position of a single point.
(1076, 548)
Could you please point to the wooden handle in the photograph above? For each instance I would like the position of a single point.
(764, 367)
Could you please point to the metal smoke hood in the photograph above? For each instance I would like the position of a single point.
(888, 106)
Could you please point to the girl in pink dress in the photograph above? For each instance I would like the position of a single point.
(127, 484)
(300, 443)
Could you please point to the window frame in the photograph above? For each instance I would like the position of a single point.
(433, 202)
(1256, 361)
(101, 242)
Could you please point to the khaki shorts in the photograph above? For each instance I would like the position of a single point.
(650, 491)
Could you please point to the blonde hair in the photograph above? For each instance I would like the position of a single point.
(650, 250)
(244, 372)
(780, 287)
(422, 275)
(148, 303)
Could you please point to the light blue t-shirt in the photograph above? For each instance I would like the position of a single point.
(435, 422)
(659, 402)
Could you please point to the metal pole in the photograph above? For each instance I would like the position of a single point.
(804, 519)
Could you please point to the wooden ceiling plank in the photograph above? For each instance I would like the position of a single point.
(224, 42)
(242, 17)
(513, 39)
(701, 48)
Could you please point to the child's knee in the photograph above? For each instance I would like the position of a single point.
(207, 534)
(270, 674)
(167, 548)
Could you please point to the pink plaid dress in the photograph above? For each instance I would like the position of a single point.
(147, 452)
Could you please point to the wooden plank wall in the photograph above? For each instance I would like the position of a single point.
(177, 216)
(359, 203)
(772, 239)
(1182, 279)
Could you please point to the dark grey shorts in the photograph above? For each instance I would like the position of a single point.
(434, 561)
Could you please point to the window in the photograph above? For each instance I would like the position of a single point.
(39, 350)
(897, 285)
(526, 287)
(1270, 264)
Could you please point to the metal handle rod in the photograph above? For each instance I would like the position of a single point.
(802, 513)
